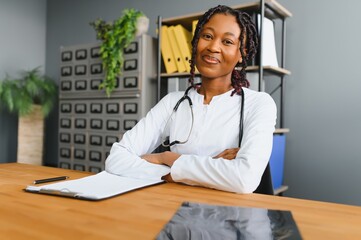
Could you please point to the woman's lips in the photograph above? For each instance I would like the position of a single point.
(210, 59)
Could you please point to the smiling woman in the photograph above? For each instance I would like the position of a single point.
(218, 139)
(218, 48)
(235, 33)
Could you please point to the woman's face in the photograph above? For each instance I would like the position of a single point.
(218, 47)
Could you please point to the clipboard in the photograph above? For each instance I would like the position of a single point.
(96, 187)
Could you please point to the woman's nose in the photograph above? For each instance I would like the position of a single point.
(214, 46)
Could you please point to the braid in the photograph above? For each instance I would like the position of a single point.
(248, 46)
(203, 20)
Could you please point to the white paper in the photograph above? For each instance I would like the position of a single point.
(269, 55)
(95, 187)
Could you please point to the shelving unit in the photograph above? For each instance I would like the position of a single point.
(89, 121)
(266, 8)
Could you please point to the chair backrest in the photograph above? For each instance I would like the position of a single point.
(266, 186)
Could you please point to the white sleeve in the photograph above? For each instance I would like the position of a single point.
(124, 158)
(243, 174)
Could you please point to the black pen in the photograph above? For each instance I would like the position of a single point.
(50, 179)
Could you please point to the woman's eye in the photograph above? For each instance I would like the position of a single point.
(228, 42)
(206, 36)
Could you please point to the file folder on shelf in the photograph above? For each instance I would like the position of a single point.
(184, 38)
(167, 53)
(176, 51)
(194, 25)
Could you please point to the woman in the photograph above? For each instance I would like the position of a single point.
(205, 137)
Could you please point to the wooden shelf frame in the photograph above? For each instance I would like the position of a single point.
(279, 191)
(268, 70)
(277, 11)
(266, 8)
(281, 130)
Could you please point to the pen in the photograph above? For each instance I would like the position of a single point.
(50, 179)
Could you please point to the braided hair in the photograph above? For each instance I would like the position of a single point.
(248, 47)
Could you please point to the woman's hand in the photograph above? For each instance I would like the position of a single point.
(152, 158)
(168, 178)
(228, 154)
(166, 158)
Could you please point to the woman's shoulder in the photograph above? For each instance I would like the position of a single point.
(175, 94)
(172, 97)
(257, 97)
(255, 94)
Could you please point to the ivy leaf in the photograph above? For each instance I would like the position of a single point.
(115, 37)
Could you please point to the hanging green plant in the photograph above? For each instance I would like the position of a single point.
(115, 36)
(19, 95)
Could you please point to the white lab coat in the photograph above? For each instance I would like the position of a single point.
(215, 128)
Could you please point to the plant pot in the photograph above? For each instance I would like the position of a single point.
(142, 25)
(31, 137)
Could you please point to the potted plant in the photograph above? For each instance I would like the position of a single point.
(32, 97)
(116, 36)
(20, 95)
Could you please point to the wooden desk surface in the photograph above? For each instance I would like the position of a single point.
(142, 214)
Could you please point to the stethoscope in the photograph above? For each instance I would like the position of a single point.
(186, 97)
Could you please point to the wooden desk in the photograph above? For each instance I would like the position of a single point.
(142, 214)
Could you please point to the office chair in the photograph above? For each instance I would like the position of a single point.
(265, 186)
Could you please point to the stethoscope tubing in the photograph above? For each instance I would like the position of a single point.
(186, 97)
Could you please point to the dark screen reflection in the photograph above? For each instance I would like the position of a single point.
(201, 221)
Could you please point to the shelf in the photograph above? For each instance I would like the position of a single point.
(169, 75)
(280, 190)
(273, 11)
(278, 12)
(268, 70)
(281, 130)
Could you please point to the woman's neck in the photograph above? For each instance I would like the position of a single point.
(209, 89)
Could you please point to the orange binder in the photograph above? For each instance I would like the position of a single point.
(184, 38)
(176, 51)
(167, 53)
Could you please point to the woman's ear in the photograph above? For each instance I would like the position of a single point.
(240, 59)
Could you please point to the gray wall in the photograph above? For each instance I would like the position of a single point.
(22, 47)
(322, 153)
(323, 156)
